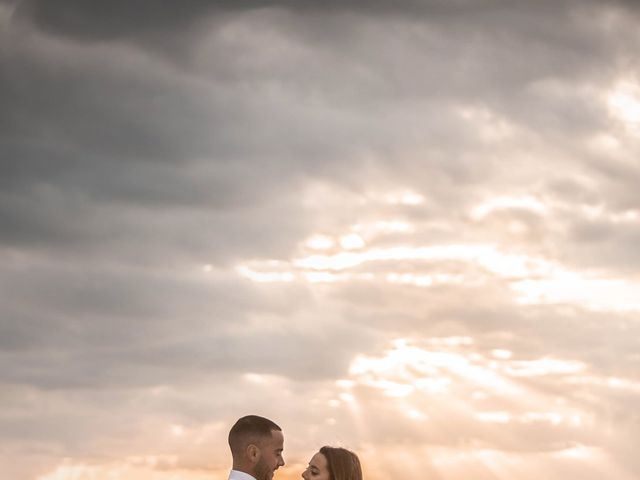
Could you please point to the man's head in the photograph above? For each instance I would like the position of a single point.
(256, 446)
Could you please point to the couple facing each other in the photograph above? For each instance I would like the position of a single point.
(256, 447)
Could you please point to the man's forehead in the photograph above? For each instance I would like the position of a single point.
(277, 437)
(275, 440)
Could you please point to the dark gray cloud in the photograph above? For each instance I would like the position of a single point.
(157, 123)
(178, 362)
(71, 326)
(113, 20)
(131, 19)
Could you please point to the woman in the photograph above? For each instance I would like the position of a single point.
(332, 463)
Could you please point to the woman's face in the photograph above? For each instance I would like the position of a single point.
(317, 469)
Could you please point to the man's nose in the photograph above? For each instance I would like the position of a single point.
(281, 461)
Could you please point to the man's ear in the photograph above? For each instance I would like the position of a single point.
(253, 453)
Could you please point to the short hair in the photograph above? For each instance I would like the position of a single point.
(248, 429)
(343, 464)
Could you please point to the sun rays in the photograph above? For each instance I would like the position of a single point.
(447, 388)
(531, 279)
(482, 409)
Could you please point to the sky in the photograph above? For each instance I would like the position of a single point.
(407, 228)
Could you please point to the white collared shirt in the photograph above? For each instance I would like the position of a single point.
(237, 475)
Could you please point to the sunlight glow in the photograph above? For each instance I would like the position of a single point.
(533, 280)
(528, 203)
(624, 103)
(483, 397)
(487, 256)
(406, 197)
(266, 277)
(440, 342)
(542, 366)
(391, 226)
(600, 213)
(494, 417)
(606, 382)
(325, 277)
(501, 354)
(415, 414)
(424, 280)
(406, 369)
(552, 418)
(320, 242)
(591, 292)
(353, 241)
(258, 378)
(446, 365)
(579, 452)
(347, 397)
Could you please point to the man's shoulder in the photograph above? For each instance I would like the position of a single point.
(238, 475)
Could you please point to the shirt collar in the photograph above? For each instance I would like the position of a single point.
(238, 475)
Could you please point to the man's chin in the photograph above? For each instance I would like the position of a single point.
(266, 476)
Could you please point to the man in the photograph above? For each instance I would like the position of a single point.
(256, 447)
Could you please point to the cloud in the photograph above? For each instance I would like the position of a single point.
(211, 208)
(106, 21)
